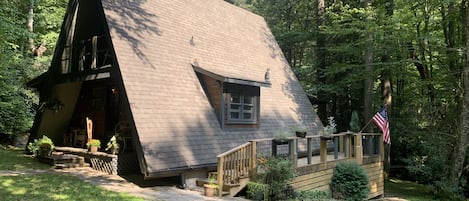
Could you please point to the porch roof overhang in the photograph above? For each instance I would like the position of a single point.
(228, 79)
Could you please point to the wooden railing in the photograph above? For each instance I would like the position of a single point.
(240, 162)
(234, 164)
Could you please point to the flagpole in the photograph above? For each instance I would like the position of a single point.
(365, 125)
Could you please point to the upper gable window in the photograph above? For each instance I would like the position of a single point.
(242, 104)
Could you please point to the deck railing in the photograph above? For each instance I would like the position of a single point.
(234, 164)
(241, 161)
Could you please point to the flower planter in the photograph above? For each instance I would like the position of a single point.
(209, 190)
(326, 137)
(93, 149)
(300, 134)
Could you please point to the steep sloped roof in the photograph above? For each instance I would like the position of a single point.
(158, 42)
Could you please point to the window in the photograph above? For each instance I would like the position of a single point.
(242, 104)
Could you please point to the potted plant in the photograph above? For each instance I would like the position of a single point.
(329, 129)
(93, 145)
(113, 145)
(42, 147)
(281, 136)
(301, 131)
(211, 187)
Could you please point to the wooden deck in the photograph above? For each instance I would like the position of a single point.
(312, 157)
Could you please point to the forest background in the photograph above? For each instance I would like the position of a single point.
(349, 55)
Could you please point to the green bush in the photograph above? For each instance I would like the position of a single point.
(42, 146)
(278, 172)
(313, 195)
(257, 191)
(446, 191)
(349, 182)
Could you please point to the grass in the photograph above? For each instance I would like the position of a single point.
(15, 159)
(47, 187)
(55, 187)
(408, 190)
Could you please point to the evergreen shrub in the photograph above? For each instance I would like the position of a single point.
(349, 182)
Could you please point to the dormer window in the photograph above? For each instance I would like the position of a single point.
(236, 102)
(242, 104)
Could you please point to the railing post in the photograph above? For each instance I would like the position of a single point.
(253, 160)
(336, 147)
(323, 150)
(310, 149)
(341, 144)
(358, 149)
(220, 175)
(293, 153)
(381, 147)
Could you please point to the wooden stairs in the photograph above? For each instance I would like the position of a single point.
(228, 189)
(61, 161)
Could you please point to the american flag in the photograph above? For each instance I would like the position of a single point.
(381, 120)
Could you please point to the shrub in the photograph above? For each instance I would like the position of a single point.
(40, 146)
(313, 195)
(445, 191)
(350, 182)
(278, 172)
(257, 191)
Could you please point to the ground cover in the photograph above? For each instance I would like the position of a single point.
(46, 186)
(15, 159)
(407, 190)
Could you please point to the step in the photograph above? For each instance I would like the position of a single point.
(69, 165)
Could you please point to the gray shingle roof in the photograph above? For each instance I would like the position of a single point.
(156, 43)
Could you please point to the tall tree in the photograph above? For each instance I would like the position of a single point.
(459, 152)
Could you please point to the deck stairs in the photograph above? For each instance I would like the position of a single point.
(60, 160)
(235, 169)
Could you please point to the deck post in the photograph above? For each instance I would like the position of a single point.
(381, 147)
(336, 147)
(293, 153)
(220, 175)
(323, 150)
(358, 149)
(253, 160)
(310, 149)
(341, 144)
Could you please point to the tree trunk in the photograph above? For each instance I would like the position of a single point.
(30, 25)
(459, 152)
(321, 58)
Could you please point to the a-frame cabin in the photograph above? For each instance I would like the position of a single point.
(190, 79)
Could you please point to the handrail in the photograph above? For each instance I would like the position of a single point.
(235, 164)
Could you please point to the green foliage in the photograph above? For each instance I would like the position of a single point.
(349, 181)
(112, 145)
(447, 191)
(43, 145)
(257, 191)
(278, 172)
(355, 122)
(46, 187)
(313, 195)
(16, 159)
(94, 143)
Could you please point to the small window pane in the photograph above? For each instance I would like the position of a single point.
(247, 108)
(234, 115)
(247, 116)
(235, 107)
(248, 99)
(235, 98)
